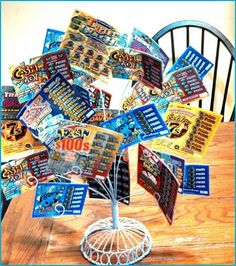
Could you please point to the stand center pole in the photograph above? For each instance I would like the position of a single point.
(115, 215)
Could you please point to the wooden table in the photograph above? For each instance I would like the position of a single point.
(202, 231)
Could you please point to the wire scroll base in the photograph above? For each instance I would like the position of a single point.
(104, 245)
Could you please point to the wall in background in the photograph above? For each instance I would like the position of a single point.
(24, 24)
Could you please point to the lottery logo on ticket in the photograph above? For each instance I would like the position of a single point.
(10, 105)
(27, 78)
(102, 115)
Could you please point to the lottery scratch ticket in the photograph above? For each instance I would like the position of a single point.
(87, 39)
(56, 97)
(191, 129)
(140, 41)
(196, 180)
(194, 58)
(57, 199)
(84, 149)
(138, 125)
(28, 78)
(19, 176)
(155, 177)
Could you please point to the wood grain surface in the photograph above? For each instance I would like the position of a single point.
(202, 231)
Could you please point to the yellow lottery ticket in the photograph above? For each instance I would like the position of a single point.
(17, 140)
(192, 129)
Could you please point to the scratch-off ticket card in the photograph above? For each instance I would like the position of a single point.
(194, 58)
(52, 40)
(98, 98)
(57, 199)
(175, 164)
(196, 180)
(135, 65)
(152, 68)
(140, 41)
(192, 129)
(139, 95)
(56, 97)
(10, 106)
(155, 177)
(87, 40)
(138, 125)
(102, 115)
(17, 140)
(185, 86)
(57, 62)
(122, 183)
(27, 78)
(20, 175)
(84, 149)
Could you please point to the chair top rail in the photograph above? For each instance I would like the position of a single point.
(197, 24)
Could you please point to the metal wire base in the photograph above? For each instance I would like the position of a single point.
(102, 244)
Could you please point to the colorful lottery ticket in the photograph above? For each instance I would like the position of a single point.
(155, 177)
(56, 97)
(140, 124)
(84, 150)
(191, 129)
(21, 175)
(58, 199)
(194, 58)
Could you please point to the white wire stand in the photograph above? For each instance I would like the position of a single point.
(116, 241)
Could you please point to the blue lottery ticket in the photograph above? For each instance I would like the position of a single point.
(57, 199)
(138, 125)
(52, 40)
(56, 97)
(83, 92)
(194, 58)
(140, 41)
(196, 180)
(81, 78)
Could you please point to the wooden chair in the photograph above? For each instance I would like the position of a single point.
(204, 32)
